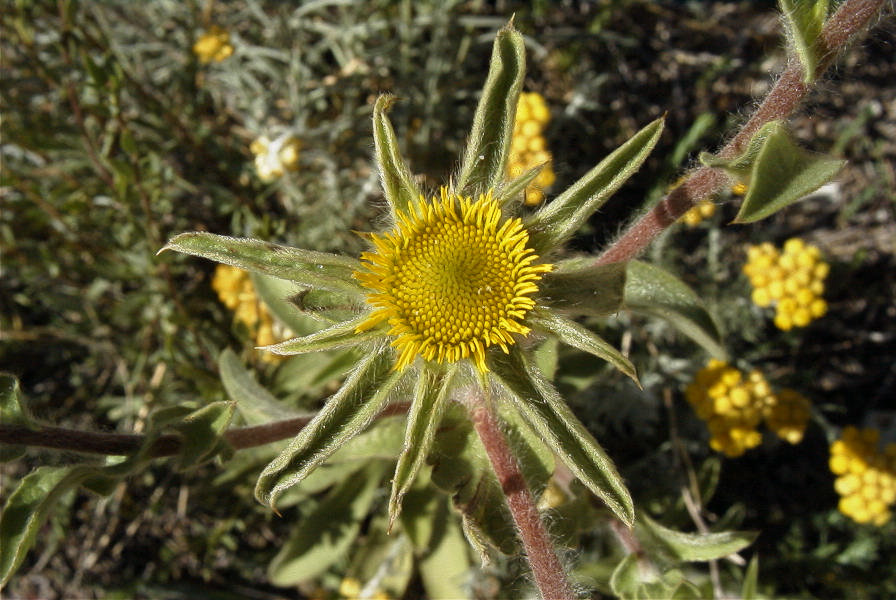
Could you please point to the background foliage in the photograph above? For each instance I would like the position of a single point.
(115, 137)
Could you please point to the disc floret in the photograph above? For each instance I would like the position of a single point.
(451, 279)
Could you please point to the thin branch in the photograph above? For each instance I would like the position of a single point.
(786, 95)
(123, 444)
(550, 577)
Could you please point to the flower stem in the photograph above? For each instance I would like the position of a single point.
(786, 95)
(550, 577)
(123, 444)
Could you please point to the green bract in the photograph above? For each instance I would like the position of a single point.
(538, 421)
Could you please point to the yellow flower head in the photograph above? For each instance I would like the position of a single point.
(528, 148)
(213, 45)
(792, 280)
(734, 404)
(703, 210)
(236, 291)
(451, 279)
(866, 476)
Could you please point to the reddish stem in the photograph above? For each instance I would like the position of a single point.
(123, 444)
(788, 92)
(550, 577)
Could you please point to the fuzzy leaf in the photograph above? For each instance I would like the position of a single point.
(307, 375)
(565, 214)
(509, 190)
(201, 434)
(653, 291)
(571, 333)
(551, 418)
(305, 267)
(631, 580)
(29, 506)
(804, 20)
(740, 167)
(427, 407)
(782, 174)
(446, 564)
(485, 160)
(337, 336)
(345, 415)
(26, 510)
(381, 441)
(324, 306)
(688, 547)
(254, 402)
(578, 287)
(12, 412)
(276, 294)
(399, 187)
(462, 468)
(326, 534)
(382, 561)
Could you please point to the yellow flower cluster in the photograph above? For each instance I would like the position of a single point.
(702, 210)
(235, 290)
(734, 405)
(273, 158)
(213, 45)
(792, 279)
(866, 477)
(528, 147)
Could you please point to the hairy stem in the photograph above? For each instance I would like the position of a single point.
(786, 95)
(550, 577)
(123, 444)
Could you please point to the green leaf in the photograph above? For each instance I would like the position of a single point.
(309, 375)
(325, 536)
(12, 412)
(653, 291)
(384, 563)
(580, 337)
(634, 578)
(382, 441)
(485, 160)
(579, 287)
(688, 547)
(804, 20)
(508, 190)
(564, 215)
(446, 565)
(276, 294)
(782, 174)
(29, 506)
(345, 415)
(547, 413)
(254, 402)
(740, 167)
(322, 305)
(626, 578)
(308, 268)
(26, 510)
(201, 434)
(337, 336)
(462, 468)
(398, 183)
(751, 578)
(427, 407)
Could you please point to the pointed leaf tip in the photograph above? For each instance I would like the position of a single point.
(399, 187)
(562, 217)
(485, 158)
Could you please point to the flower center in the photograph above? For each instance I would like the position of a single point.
(451, 280)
